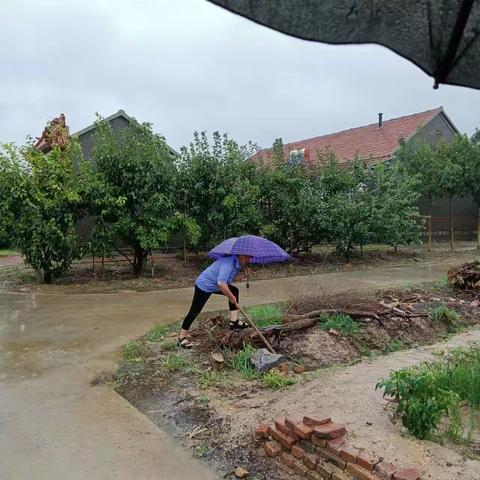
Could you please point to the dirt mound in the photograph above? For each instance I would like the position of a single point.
(465, 276)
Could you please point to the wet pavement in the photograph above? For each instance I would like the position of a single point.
(54, 425)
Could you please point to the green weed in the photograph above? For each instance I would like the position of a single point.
(276, 380)
(338, 321)
(199, 451)
(241, 362)
(159, 331)
(211, 379)
(444, 314)
(174, 362)
(131, 350)
(203, 400)
(266, 315)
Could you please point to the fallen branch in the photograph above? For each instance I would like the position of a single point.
(358, 314)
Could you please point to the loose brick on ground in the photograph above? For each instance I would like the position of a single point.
(306, 445)
(297, 451)
(312, 475)
(336, 445)
(313, 420)
(300, 468)
(385, 471)
(303, 431)
(331, 457)
(319, 442)
(310, 460)
(407, 474)
(368, 462)
(262, 432)
(292, 420)
(283, 369)
(285, 440)
(272, 448)
(329, 431)
(287, 459)
(349, 454)
(359, 472)
(280, 425)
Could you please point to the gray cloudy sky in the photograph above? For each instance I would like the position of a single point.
(188, 65)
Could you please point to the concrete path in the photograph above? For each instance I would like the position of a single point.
(53, 425)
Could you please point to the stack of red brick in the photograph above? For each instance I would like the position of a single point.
(314, 447)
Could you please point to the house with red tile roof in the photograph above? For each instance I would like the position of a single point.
(377, 143)
(372, 143)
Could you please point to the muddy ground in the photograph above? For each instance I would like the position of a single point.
(214, 413)
(170, 271)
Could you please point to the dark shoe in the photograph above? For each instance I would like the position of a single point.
(238, 325)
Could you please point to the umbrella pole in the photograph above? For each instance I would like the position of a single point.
(250, 321)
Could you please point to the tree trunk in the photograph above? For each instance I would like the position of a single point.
(452, 239)
(184, 253)
(478, 229)
(139, 256)
(47, 276)
(430, 228)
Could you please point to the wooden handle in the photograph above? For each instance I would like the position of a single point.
(250, 321)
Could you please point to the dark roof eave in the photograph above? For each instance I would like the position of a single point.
(120, 113)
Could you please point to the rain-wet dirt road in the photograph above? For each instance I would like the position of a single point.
(54, 425)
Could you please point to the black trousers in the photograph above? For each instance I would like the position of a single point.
(200, 299)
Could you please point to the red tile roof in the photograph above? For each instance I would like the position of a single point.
(370, 141)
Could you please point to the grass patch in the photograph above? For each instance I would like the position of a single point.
(394, 346)
(6, 252)
(338, 321)
(131, 350)
(174, 362)
(241, 362)
(444, 314)
(266, 315)
(428, 395)
(276, 380)
(168, 345)
(211, 379)
(159, 331)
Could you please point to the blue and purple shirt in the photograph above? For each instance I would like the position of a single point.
(225, 269)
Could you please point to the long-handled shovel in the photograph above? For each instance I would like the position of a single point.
(250, 321)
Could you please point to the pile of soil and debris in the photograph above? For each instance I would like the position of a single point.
(210, 411)
(465, 276)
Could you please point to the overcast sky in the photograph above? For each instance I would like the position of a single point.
(188, 65)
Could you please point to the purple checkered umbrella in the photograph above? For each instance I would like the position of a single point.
(260, 249)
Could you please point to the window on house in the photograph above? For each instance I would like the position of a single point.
(295, 157)
(438, 133)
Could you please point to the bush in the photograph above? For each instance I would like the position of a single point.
(432, 391)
